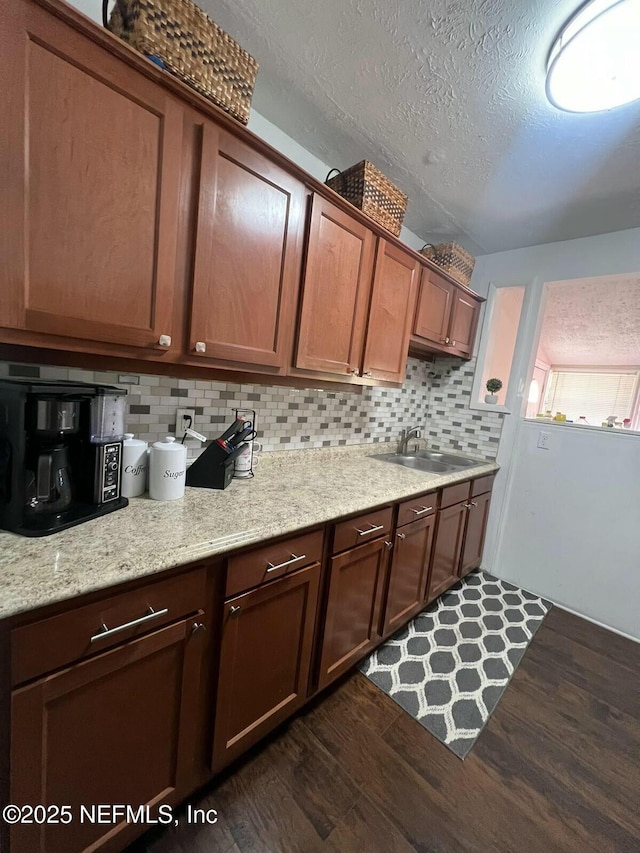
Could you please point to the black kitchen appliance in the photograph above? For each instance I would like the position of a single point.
(60, 453)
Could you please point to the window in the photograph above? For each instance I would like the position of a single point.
(594, 394)
(587, 363)
(499, 334)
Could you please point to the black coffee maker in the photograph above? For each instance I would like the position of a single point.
(60, 454)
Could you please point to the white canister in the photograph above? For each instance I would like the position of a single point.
(243, 466)
(167, 470)
(135, 462)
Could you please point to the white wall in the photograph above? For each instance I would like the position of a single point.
(605, 254)
(263, 128)
(571, 529)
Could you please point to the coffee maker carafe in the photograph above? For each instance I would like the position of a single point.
(49, 485)
(60, 453)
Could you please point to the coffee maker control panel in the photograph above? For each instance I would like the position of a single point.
(110, 469)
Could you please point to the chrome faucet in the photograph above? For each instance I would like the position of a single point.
(407, 435)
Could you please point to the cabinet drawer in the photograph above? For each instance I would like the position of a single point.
(482, 485)
(60, 640)
(454, 494)
(416, 508)
(362, 529)
(272, 561)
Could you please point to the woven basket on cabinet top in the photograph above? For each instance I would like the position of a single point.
(373, 193)
(453, 259)
(191, 46)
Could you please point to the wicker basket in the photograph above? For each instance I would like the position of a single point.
(368, 189)
(453, 259)
(183, 39)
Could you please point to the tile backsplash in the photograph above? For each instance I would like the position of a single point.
(451, 424)
(433, 394)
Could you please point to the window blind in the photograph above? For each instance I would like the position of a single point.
(594, 395)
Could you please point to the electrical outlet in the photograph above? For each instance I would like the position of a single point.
(185, 418)
(543, 440)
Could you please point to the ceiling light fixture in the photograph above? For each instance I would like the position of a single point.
(594, 63)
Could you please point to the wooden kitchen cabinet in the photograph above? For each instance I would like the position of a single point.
(90, 173)
(335, 291)
(465, 311)
(407, 590)
(352, 622)
(446, 317)
(476, 529)
(447, 549)
(433, 311)
(391, 311)
(265, 658)
(248, 255)
(460, 533)
(121, 727)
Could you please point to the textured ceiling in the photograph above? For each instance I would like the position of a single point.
(594, 321)
(447, 97)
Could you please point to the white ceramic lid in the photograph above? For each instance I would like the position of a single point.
(130, 441)
(167, 444)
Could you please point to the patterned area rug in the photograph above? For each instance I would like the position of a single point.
(449, 667)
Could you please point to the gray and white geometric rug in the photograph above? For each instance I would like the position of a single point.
(449, 666)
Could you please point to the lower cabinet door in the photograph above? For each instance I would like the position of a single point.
(475, 534)
(447, 549)
(407, 589)
(267, 640)
(352, 623)
(117, 729)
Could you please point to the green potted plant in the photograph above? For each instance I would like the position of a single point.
(493, 386)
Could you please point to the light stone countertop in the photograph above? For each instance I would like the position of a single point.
(291, 490)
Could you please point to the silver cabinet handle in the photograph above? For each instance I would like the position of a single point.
(164, 340)
(200, 346)
(372, 529)
(234, 610)
(290, 562)
(109, 632)
(366, 373)
(198, 627)
(355, 371)
(453, 343)
(467, 506)
(474, 503)
(401, 535)
(388, 545)
(422, 510)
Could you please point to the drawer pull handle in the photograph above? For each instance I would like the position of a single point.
(388, 545)
(290, 562)
(109, 632)
(234, 610)
(422, 510)
(373, 529)
(401, 535)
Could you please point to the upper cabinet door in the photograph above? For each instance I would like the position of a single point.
(391, 313)
(248, 254)
(464, 320)
(335, 296)
(434, 308)
(90, 168)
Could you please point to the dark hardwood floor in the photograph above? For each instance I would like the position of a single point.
(557, 768)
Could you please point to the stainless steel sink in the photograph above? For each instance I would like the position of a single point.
(430, 461)
(448, 458)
